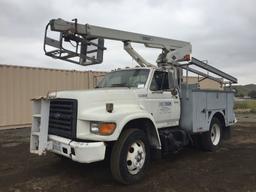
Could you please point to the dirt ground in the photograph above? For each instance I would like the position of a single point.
(232, 168)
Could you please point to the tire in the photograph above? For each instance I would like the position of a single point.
(130, 156)
(211, 140)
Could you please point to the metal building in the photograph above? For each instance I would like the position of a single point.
(20, 84)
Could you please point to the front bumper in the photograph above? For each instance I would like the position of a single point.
(83, 152)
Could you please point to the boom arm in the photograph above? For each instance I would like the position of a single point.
(87, 46)
(84, 36)
(113, 34)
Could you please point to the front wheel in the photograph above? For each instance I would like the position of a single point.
(130, 156)
(211, 140)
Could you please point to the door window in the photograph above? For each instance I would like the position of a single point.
(160, 81)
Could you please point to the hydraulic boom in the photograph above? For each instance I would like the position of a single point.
(84, 45)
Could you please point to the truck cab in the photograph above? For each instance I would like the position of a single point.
(154, 89)
(144, 95)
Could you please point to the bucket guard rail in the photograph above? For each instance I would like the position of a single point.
(74, 48)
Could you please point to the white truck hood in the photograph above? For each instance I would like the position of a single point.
(114, 95)
(92, 103)
(92, 107)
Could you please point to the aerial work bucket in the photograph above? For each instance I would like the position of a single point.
(72, 47)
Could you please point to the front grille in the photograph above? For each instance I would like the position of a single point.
(63, 117)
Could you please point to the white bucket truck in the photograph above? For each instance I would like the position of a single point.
(134, 113)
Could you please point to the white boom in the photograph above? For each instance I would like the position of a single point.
(88, 46)
(84, 34)
(113, 34)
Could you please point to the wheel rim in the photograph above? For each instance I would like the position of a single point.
(136, 157)
(215, 134)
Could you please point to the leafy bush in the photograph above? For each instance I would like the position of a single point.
(252, 94)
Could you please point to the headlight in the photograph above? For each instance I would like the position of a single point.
(102, 128)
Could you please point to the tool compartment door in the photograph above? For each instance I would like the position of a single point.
(231, 118)
(199, 111)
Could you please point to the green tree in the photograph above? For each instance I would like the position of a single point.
(241, 95)
(238, 93)
(252, 94)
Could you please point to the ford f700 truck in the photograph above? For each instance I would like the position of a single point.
(133, 114)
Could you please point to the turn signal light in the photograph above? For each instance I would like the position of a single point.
(102, 128)
(107, 128)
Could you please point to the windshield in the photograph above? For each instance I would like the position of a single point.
(126, 78)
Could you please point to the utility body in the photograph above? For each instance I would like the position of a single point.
(133, 113)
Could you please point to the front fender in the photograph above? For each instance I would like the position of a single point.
(141, 115)
(121, 115)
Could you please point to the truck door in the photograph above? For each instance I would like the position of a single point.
(163, 105)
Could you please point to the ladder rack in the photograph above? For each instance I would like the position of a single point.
(212, 69)
(208, 68)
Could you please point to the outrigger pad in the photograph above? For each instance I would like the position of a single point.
(74, 48)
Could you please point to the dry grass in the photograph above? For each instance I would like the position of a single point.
(246, 105)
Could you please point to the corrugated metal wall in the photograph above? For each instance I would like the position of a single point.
(19, 84)
(204, 83)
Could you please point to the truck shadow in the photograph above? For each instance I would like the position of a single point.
(100, 171)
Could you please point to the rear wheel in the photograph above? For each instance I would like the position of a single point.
(211, 140)
(130, 156)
